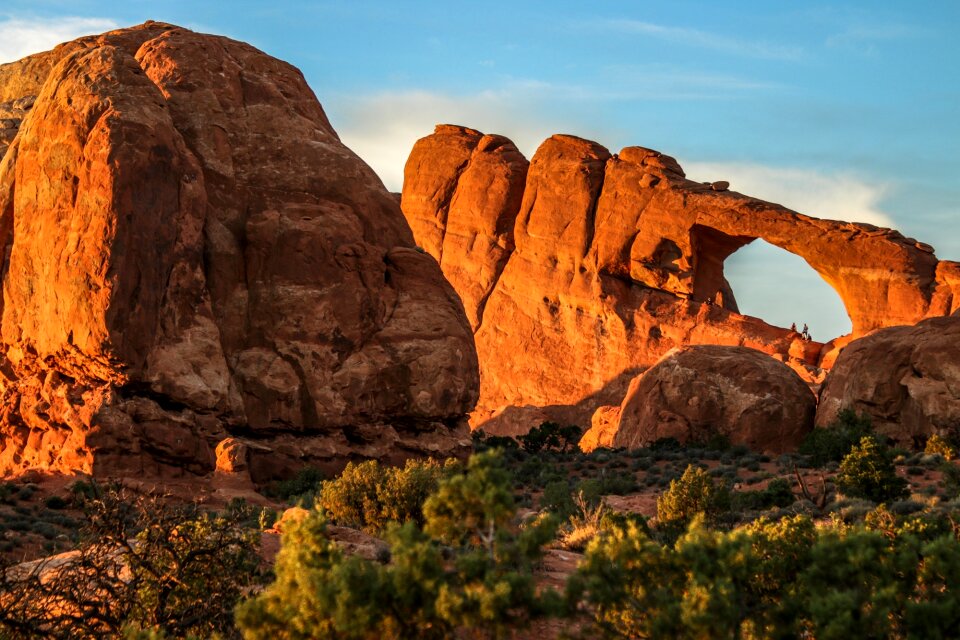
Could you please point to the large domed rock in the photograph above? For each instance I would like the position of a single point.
(704, 391)
(605, 262)
(906, 379)
(194, 255)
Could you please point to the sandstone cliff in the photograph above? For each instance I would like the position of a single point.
(582, 268)
(193, 255)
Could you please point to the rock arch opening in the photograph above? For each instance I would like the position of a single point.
(781, 288)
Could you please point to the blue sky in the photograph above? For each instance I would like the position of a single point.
(842, 110)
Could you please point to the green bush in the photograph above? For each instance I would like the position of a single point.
(301, 487)
(558, 499)
(778, 493)
(483, 442)
(550, 436)
(369, 495)
(470, 568)
(832, 443)
(607, 484)
(951, 479)
(868, 472)
(693, 494)
(56, 502)
(781, 579)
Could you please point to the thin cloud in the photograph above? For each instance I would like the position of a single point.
(697, 38)
(867, 39)
(835, 196)
(21, 37)
(382, 128)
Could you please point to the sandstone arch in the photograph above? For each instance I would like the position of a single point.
(614, 259)
(782, 288)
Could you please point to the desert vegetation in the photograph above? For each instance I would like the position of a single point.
(850, 537)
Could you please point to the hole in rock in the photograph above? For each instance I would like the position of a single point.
(781, 288)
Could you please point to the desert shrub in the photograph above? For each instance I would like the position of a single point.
(834, 442)
(301, 487)
(938, 445)
(369, 495)
(56, 502)
(469, 568)
(557, 498)
(483, 442)
(777, 493)
(770, 579)
(83, 490)
(537, 472)
(8, 493)
(584, 525)
(623, 520)
(711, 584)
(868, 472)
(142, 563)
(895, 522)
(550, 436)
(694, 493)
(665, 444)
(607, 484)
(950, 479)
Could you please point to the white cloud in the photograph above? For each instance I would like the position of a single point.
(383, 128)
(22, 37)
(698, 38)
(867, 39)
(835, 196)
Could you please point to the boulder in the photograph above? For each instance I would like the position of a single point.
(603, 429)
(906, 379)
(193, 256)
(605, 262)
(704, 391)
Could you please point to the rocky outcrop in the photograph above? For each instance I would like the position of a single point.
(193, 255)
(704, 391)
(906, 379)
(603, 429)
(608, 261)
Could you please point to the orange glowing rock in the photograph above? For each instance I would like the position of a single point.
(608, 261)
(193, 255)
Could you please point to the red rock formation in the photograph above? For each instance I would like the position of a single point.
(616, 259)
(603, 429)
(194, 255)
(705, 390)
(906, 379)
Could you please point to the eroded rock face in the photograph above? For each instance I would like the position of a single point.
(704, 391)
(194, 255)
(609, 261)
(603, 429)
(906, 379)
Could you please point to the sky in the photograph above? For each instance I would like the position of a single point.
(842, 110)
